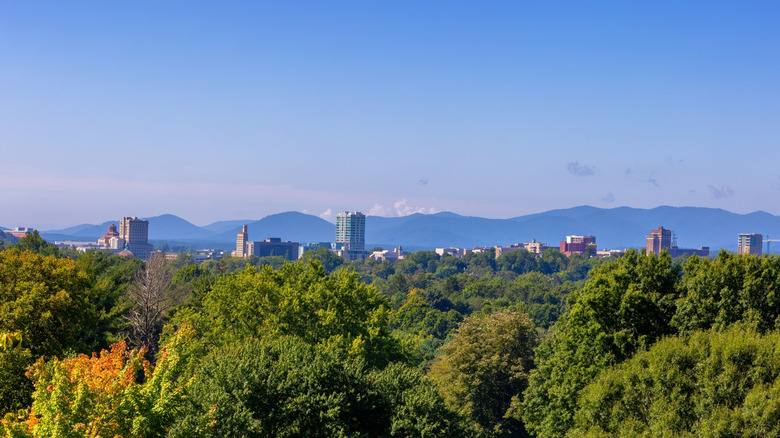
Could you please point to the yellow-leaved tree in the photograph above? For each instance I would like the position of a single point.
(114, 393)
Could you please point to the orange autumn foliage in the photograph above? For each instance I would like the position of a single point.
(112, 371)
(114, 394)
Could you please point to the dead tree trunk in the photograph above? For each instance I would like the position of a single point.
(152, 295)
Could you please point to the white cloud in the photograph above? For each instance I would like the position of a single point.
(721, 192)
(327, 215)
(378, 210)
(402, 209)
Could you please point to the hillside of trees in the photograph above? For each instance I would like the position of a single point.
(92, 344)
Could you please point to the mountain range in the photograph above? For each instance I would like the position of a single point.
(614, 228)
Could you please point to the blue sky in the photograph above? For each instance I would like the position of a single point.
(237, 110)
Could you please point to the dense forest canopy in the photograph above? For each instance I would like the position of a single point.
(92, 344)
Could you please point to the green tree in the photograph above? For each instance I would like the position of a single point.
(58, 307)
(484, 370)
(426, 261)
(626, 306)
(481, 264)
(275, 261)
(196, 281)
(397, 288)
(553, 261)
(47, 300)
(229, 264)
(579, 266)
(183, 259)
(109, 276)
(327, 258)
(383, 270)
(709, 384)
(300, 299)
(15, 388)
(213, 267)
(729, 289)
(519, 262)
(450, 264)
(544, 298)
(476, 291)
(102, 395)
(289, 388)
(417, 317)
(411, 315)
(33, 242)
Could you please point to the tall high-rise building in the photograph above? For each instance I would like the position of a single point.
(749, 244)
(351, 234)
(658, 240)
(135, 233)
(242, 249)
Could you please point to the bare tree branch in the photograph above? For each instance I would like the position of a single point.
(153, 296)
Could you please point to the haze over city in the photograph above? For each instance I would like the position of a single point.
(493, 109)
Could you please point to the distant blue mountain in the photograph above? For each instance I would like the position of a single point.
(292, 225)
(170, 227)
(83, 232)
(163, 227)
(621, 227)
(223, 226)
(439, 230)
(626, 227)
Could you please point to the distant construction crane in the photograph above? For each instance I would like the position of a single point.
(767, 240)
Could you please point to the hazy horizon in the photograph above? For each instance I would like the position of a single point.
(492, 109)
(331, 217)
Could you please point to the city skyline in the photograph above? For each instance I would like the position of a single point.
(497, 110)
(693, 229)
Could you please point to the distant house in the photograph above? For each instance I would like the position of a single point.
(455, 252)
(391, 256)
(577, 244)
(532, 247)
(19, 232)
